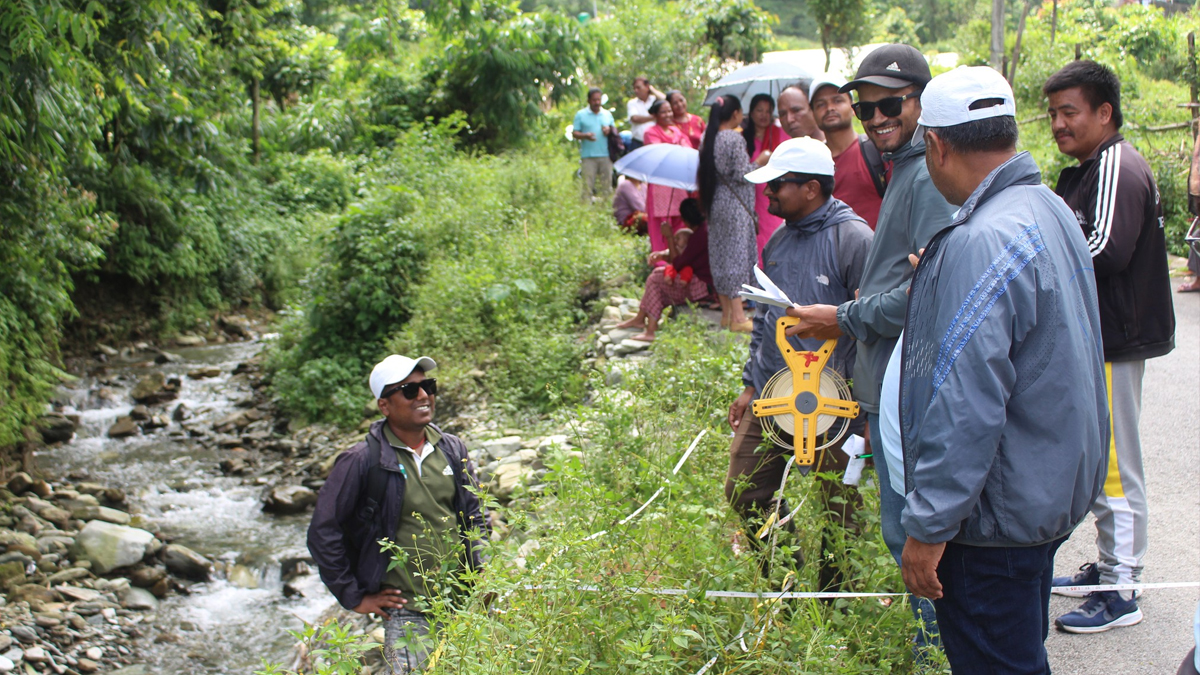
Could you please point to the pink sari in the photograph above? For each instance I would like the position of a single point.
(662, 203)
(693, 129)
(767, 223)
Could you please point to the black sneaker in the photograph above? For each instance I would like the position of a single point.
(1088, 575)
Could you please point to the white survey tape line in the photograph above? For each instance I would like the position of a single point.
(1126, 587)
(688, 453)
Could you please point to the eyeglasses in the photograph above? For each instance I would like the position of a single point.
(890, 106)
(776, 183)
(409, 389)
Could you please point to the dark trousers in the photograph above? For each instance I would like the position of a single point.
(755, 471)
(994, 610)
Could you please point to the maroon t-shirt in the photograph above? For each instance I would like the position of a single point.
(853, 184)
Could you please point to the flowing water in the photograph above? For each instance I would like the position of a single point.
(174, 487)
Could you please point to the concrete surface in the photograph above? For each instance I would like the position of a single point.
(1170, 427)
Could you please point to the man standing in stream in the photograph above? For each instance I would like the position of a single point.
(408, 482)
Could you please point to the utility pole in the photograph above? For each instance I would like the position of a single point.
(998, 35)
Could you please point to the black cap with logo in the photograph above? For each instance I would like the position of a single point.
(893, 67)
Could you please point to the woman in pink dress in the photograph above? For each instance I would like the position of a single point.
(662, 203)
(763, 135)
(689, 124)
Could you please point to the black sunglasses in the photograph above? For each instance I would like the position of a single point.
(890, 106)
(776, 183)
(409, 389)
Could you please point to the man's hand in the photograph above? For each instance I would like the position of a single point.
(738, 408)
(379, 603)
(816, 321)
(918, 565)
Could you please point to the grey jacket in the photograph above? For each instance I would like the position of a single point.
(817, 260)
(912, 211)
(1003, 411)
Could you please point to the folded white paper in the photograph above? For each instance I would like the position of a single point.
(769, 294)
(853, 447)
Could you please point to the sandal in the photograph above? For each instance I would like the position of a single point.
(1191, 287)
(742, 326)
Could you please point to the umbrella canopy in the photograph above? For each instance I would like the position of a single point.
(758, 78)
(662, 164)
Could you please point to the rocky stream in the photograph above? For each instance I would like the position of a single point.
(163, 528)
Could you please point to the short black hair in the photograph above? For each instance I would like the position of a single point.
(642, 79)
(689, 210)
(826, 182)
(656, 106)
(594, 90)
(673, 92)
(991, 134)
(1098, 84)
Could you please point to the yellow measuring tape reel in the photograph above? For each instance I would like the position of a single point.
(804, 401)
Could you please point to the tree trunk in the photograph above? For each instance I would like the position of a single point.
(1053, 21)
(1016, 54)
(998, 35)
(826, 46)
(391, 12)
(255, 128)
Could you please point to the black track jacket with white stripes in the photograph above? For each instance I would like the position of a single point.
(1116, 201)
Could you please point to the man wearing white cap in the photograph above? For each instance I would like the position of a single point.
(817, 256)
(1002, 408)
(408, 482)
(859, 169)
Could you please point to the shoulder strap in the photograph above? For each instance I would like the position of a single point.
(376, 480)
(874, 162)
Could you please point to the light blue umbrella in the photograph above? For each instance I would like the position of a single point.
(662, 164)
(759, 78)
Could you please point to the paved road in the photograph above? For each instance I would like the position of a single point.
(1170, 428)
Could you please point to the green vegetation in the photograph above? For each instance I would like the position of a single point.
(635, 434)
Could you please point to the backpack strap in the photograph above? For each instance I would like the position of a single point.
(874, 162)
(376, 481)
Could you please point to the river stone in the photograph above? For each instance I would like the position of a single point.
(6, 664)
(499, 448)
(12, 571)
(155, 388)
(123, 428)
(24, 633)
(285, 499)
(167, 357)
(505, 479)
(130, 670)
(190, 341)
(202, 373)
(242, 577)
(105, 349)
(104, 513)
(78, 594)
(629, 346)
(19, 483)
(238, 326)
(140, 413)
(145, 577)
(35, 655)
(138, 598)
(94, 653)
(56, 427)
(59, 517)
(86, 665)
(110, 546)
(183, 561)
(10, 538)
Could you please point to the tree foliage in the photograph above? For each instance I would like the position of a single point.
(841, 22)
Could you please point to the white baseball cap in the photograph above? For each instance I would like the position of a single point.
(949, 97)
(801, 155)
(825, 80)
(394, 369)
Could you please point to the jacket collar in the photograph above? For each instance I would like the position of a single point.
(832, 212)
(1112, 140)
(433, 434)
(915, 147)
(1020, 169)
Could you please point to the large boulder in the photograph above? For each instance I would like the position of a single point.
(185, 562)
(289, 499)
(109, 546)
(56, 427)
(154, 387)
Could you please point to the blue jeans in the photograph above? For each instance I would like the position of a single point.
(890, 505)
(995, 607)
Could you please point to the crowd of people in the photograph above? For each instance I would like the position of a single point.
(1008, 408)
(995, 332)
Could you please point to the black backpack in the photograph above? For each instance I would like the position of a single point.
(875, 165)
(376, 483)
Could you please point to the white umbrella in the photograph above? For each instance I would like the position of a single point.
(662, 164)
(758, 78)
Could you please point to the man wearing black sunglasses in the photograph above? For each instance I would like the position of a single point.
(409, 482)
(889, 83)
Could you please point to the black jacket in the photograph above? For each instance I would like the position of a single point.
(1117, 204)
(344, 547)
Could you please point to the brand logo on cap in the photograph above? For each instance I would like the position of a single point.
(895, 66)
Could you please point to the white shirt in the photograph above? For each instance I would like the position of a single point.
(637, 106)
(426, 450)
(889, 419)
